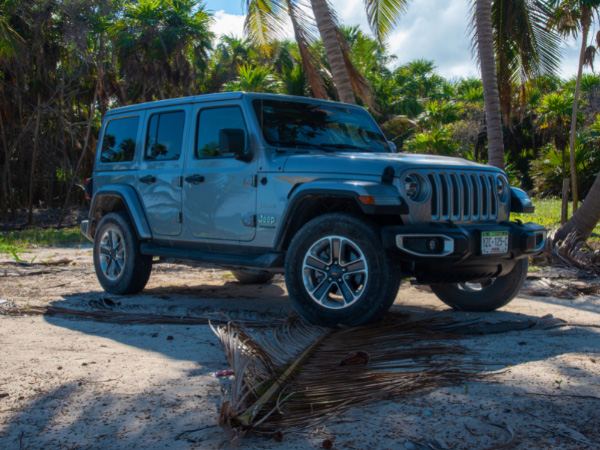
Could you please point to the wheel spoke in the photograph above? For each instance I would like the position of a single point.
(108, 267)
(118, 266)
(355, 266)
(315, 263)
(104, 250)
(347, 292)
(322, 290)
(336, 249)
(114, 239)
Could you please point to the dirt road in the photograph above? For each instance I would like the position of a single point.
(82, 384)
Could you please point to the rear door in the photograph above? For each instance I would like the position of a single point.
(219, 193)
(159, 178)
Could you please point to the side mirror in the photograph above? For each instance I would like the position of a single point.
(233, 140)
(392, 146)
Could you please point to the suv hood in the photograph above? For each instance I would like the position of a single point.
(374, 163)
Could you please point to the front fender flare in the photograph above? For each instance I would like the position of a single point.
(373, 198)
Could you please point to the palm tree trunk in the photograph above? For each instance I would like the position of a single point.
(586, 21)
(327, 30)
(34, 158)
(485, 44)
(6, 193)
(584, 220)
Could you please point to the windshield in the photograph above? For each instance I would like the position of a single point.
(289, 124)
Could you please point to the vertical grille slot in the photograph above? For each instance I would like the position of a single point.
(466, 190)
(445, 194)
(435, 197)
(493, 197)
(456, 196)
(476, 200)
(485, 197)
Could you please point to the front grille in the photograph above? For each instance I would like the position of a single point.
(463, 196)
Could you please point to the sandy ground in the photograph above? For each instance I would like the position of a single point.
(75, 384)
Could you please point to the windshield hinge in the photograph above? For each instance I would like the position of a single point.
(252, 180)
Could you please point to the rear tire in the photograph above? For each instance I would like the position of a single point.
(338, 274)
(252, 276)
(120, 266)
(492, 294)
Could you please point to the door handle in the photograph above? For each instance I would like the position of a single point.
(195, 179)
(148, 179)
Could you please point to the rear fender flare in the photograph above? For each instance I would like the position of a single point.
(107, 197)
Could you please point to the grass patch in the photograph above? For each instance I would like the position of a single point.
(22, 241)
(547, 213)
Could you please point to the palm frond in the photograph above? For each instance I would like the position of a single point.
(264, 22)
(304, 33)
(383, 15)
(298, 375)
(524, 45)
(360, 85)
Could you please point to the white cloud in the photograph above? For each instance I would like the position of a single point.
(228, 24)
(436, 30)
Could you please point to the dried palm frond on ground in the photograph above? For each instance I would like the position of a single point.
(120, 317)
(571, 252)
(298, 375)
(569, 289)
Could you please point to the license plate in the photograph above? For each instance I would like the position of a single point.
(494, 242)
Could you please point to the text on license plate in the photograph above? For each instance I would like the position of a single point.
(494, 242)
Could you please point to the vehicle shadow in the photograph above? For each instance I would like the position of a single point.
(71, 416)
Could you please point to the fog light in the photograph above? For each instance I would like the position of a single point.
(433, 245)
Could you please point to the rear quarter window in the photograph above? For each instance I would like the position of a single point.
(119, 140)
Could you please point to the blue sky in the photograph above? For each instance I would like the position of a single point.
(431, 29)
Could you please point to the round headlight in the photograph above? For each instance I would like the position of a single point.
(411, 186)
(501, 188)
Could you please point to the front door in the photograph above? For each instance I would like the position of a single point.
(219, 193)
(159, 181)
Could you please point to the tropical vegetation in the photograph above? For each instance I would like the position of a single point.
(64, 64)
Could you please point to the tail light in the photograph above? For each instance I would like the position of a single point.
(89, 183)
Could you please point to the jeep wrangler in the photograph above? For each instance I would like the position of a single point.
(264, 184)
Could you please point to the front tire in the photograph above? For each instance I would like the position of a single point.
(337, 272)
(120, 266)
(490, 295)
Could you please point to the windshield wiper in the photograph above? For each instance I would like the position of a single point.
(362, 149)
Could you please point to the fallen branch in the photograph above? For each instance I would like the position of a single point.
(563, 395)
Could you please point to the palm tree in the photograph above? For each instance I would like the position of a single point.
(254, 79)
(265, 20)
(572, 16)
(154, 41)
(485, 46)
(554, 115)
(515, 31)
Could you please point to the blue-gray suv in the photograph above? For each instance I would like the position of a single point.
(262, 184)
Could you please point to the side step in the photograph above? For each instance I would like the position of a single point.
(252, 261)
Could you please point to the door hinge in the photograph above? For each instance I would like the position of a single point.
(177, 182)
(252, 180)
(249, 220)
(177, 218)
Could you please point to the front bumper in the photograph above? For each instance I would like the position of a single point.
(446, 252)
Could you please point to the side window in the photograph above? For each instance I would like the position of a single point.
(165, 136)
(210, 123)
(118, 143)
